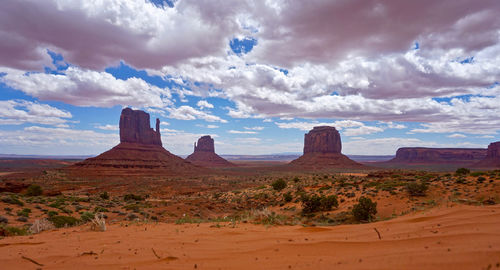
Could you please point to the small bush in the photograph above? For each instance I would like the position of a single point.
(279, 184)
(41, 225)
(462, 171)
(24, 213)
(86, 216)
(12, 200)
(481, 179)
(315, 203)
(417, 189)
(132, 197)
(64, 221)
(3, 220)
(12, 231)
(34, 190)
(365, 210)
(104, 195)
(52, 213)
(288, 197)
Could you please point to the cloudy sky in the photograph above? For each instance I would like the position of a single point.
(256, 74)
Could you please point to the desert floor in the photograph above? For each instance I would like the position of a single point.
(458, 237)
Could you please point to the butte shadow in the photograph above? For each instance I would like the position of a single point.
(140, 152)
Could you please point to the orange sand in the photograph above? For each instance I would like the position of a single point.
(461, 237)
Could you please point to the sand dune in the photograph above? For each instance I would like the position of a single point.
(461, 237)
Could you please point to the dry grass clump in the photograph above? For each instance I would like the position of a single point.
(98, 223)
(41, 225)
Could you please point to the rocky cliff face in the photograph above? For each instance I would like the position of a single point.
(492, 159)
(322, 150)
(204, 154)
(205, 144)
(424, 155)
(139, 153)
(323, 139)
(134, 128)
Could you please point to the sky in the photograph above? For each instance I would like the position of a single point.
(255, 75)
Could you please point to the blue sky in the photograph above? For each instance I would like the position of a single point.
(256, 77)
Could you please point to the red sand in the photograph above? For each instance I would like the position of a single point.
(461, 237)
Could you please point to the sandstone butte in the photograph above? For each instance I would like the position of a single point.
(140, 150)
(204, 154)
(492, 159)
(322, 150)
(423, 155)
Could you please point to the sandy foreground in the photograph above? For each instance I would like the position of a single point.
(460, 237)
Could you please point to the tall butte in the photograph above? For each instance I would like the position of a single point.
(140, 150)
(322, 150)
(204, 154)
(492, 159)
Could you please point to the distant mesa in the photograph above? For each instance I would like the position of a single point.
(492, 159)
(322, 150)
(424, 156)
(204, 154)
(140, 149)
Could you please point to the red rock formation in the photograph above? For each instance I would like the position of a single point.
(422, 155)
(492, 159)
(322, 150)
(139, 151)
(323, 139)
(204, 154)
(134, 128)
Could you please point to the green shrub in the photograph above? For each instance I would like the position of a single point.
(279, 184)
(288, 197)
(64, 221)
(34, 190)
(52, 213)
(462, 171)
(12, 200)
(481, 179)
(417, 189)
(132, 197)
(86, 216)
(365, 210)
(104, 195)
(24, 213)
(12, 231)
(296, 179)
(315, 203)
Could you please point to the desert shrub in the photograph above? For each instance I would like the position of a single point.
(3, 220)
(12, 200)
(296, 179)
(365, 210)
(132, 197)
(481, 179)
(462, 171)
(34, 190)
(86, 216)
(104, 195)
(12, 231)
(24, 213)
(64, 221)
(41, 225)
(99, 209)
(417, 189)
(288, 197)
(315, 203)
(279, 184)
(52, 213)
(98, 223)
(460, 181)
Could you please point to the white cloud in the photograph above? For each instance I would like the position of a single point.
(189, 113)
(364, 130)
(82, 87)
(55, 141)
(254, 128)
(456, 135)
(204, 104)
(16, 112)
(241, 132)
(108, 127)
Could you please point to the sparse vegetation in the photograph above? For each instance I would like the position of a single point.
(364, 210)
(34, 190)
(315, 203)
(279, 184)
(417, 189)
(462, 171)
(64, 221)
